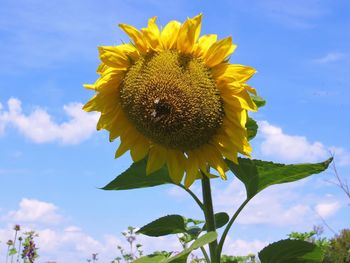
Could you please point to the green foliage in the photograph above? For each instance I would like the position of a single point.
(12, 251)
(221, 219)
(200, 242)
(238, 259)
(339, 249)
(291, 251)
(182, 256)
(135, 177)
(305, 236)
(312, 237)
(252, 128)
(151, 259)
(259, 101)
(258, 175)
(171, 224)
(30, 251)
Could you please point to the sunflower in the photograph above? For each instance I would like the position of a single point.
(174, 97)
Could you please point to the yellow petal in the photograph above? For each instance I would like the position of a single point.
(107, 119)
(230, 88)
(169, 34)
(246, 101)
(202, 161)
(108, 83)
(232, 72)
(250, 89)
(238, 118)
(117, 125)
(140, 149)
(191, 170)
(114, 57)
(152, 34)
(219, 51)
(214, 158)
(240, 100)
(136, 36)
(156, 158)
(240, 143)
(127, 139)
(91, 105)
(103, 102)
(203, 45)
(227, 148)
(89, 86)
(176, 162)
(189, 33)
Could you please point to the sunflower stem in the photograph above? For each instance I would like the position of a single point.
(205, 254)
(227, 228)
(195, 198)
(209, 216)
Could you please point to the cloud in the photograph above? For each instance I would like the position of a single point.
(330, 58)
(69, 243)
(31, 210)
(288, 204)
(39, 126)
(327, 209)
(294, 148)
(240, 247)
(284, 209)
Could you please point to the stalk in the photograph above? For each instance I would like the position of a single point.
(227, 228)
(14, 244)
(209, 215)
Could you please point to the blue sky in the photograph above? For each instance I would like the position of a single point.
(52, 161)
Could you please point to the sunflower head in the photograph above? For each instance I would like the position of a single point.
(174, 97)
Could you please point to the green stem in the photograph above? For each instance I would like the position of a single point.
(14, 244)
(227, 228)
(207, 259)
(209, 216)
(200, 204)
(7, 254)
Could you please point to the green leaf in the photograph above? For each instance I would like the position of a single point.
(258, 175)
(193, 233)
(221, 219)
(259, 101)
(171, 224)
(135, 177)
(252, 128)
(200, 242)
(151, 259)
(12, 251)
(291, 251)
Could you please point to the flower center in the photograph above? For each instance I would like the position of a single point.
(172, 99)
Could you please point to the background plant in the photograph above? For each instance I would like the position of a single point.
(26, 250)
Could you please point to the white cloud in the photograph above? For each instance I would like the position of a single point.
(40, 127)
(31, 210)
(327, 209)
(284, 205)
(294, 148)
(69, 243)
(240, 247)
(329, 58)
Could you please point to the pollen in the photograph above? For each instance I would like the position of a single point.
(172, 99)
